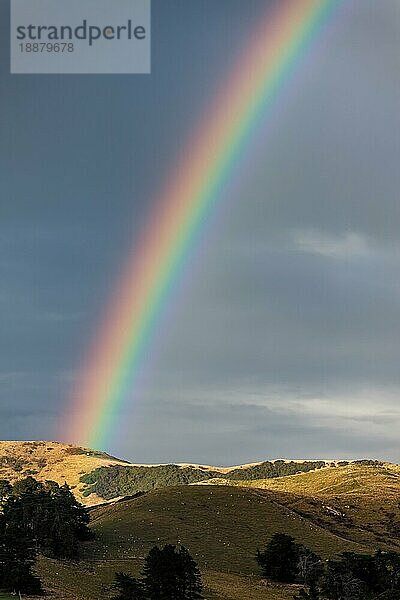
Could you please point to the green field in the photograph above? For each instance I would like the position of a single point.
(330, 510)
(221, 526)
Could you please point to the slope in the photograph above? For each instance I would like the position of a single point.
(52, 461)
(221, 526)
(359, 501)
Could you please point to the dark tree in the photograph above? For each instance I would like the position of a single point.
(279, 561)
(128, 588)
(350, 577)
(189, 576)
(35, 518)
(357, 576)
(49, 515)
(309, 567)
(70, 525)
(17, 558)
(387, 569)
(340, 583)
(171, 573)
(311, 594)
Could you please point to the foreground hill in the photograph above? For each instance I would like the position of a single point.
(221, 526)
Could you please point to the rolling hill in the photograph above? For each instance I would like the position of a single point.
(362, 497)
(52, 461)
(96, 476)
(222, 527)
(221, 514)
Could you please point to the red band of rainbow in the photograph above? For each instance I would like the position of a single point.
(108, 375)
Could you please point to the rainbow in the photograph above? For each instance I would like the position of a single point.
(110, 372)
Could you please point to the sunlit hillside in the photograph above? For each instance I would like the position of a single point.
(52, 461)
(344, 481)
(360, 501)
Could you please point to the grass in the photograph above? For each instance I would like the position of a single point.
(52, 461)
(221, 526)
(330, 510)
(352, 508)
(10, 597)
(238, 587)
(333, 481)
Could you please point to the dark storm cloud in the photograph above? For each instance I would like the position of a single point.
(285, 426)
(285, 335)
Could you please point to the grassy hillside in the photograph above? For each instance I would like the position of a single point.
(221, 526)
(116, 481)
(356, 478)
(95, 476)
(52, 461)
(358, 501)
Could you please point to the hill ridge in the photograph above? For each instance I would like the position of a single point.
(96, 477)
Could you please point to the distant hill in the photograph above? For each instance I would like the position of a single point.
(115, 481)
(366, 477)
(96, 477)
(53, 461)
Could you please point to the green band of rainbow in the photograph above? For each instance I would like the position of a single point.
(191, 192)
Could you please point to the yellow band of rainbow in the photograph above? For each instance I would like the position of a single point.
(108, 375)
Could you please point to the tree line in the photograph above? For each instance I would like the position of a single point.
(116, 480)
(350, 576)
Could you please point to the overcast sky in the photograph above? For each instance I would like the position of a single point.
(284, 339)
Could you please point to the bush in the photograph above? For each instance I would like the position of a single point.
(169, 573)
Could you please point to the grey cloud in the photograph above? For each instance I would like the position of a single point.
(284, 336)
(242, 430)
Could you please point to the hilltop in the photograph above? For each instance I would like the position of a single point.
(96, 477)
(52, 461)
(365, 477)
